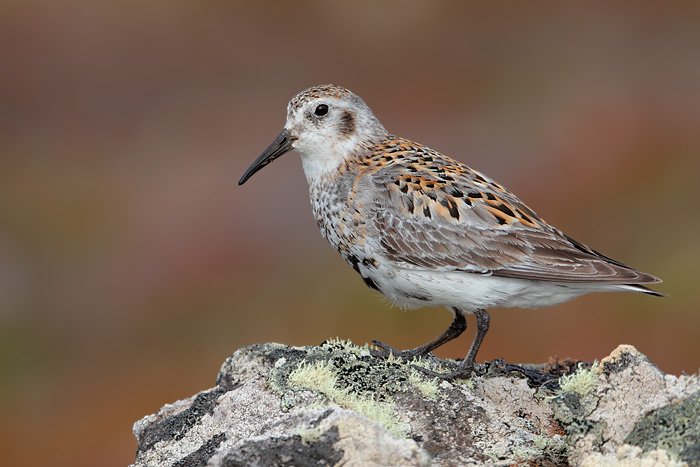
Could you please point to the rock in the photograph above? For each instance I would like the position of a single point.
(632, 404)
(335, 404)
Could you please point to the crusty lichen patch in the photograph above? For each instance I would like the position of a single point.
(632, 404)
(347, 375)
(575, 402)
(323, 377)
(674, 428)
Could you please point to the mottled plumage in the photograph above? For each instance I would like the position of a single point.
(424, 229)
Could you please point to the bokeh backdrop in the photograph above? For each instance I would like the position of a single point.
(132, 265)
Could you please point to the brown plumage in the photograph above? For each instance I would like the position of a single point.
(424, 229)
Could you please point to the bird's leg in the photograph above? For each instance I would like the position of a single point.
(466, 366)
(459, 324)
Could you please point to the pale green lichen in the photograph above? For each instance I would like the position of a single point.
(541, 442)
(319, 376)
(322, 377)
(347, 375)
(466, 382)
(554, 447)
(427, 387)
(310, 436)
(523, 453)
(346, 344)
(582, 382)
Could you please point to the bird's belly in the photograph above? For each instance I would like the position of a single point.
(411, 288)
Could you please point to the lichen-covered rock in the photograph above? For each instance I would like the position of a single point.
(335, 404)
(633, 404)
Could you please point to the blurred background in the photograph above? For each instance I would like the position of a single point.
(132, 265)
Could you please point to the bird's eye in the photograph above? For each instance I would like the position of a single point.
(321, 110)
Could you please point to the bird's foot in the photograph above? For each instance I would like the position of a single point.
(462, 371)
(384, 351)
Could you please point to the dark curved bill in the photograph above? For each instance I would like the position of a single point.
(279, 146)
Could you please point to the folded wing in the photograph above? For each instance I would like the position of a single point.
(429, 211)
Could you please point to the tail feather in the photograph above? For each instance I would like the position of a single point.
(642, 289)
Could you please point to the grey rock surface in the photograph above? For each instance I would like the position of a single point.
(335, 404)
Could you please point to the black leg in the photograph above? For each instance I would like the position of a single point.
(466, 366)
(482, 326)
(459, 324)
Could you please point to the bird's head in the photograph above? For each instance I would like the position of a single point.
(327, 125)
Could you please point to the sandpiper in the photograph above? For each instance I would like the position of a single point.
(426, 230)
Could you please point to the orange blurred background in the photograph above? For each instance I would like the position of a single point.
(132, 265)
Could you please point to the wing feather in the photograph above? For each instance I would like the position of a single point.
(445, 216)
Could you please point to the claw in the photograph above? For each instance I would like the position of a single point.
(387, 350)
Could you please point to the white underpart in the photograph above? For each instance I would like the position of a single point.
(470, 291)
(323, 159)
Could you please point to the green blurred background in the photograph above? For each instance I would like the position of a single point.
(131, 265)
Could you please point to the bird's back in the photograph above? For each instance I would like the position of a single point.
(411, 207)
